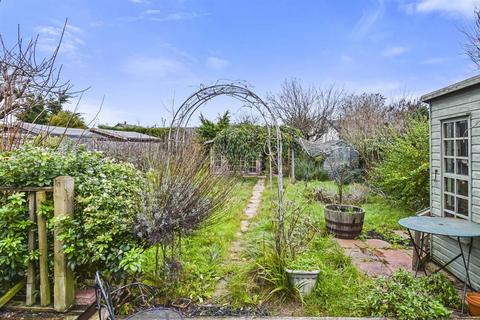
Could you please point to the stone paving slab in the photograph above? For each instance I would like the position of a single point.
(376, 257)
(378, 244)
(237, 245)
(396, 259)
(350, 243)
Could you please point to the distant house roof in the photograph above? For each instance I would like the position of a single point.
(451, 88)
(123, 135)
(54, 130)
(93, 133)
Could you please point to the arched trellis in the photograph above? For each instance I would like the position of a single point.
(241, 92)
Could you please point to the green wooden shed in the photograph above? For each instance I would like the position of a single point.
(455, 166)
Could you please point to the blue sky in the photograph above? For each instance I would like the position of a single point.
(146, 56)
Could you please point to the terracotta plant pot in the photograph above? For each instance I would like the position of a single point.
(473, 299)
(305, 281)
(344, 221)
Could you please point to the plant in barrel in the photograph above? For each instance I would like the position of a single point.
(343, 220)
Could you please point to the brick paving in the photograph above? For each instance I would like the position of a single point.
(376, 257)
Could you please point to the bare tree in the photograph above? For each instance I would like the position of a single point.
(367, 122)
(472, 48)
(309, 109)
(247, 118)
(25, 77)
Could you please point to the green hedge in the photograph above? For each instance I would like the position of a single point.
(404, 173)
(107, 199)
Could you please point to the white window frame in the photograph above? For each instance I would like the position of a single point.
(455, 176)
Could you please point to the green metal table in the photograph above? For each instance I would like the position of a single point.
(450, 227)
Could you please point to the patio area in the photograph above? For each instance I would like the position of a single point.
(376, 257)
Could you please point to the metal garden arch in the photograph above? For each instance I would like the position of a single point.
(241, 92)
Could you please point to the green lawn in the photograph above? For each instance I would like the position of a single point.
(261, 281)
(379, 214)
(205, 251)
(340, 285)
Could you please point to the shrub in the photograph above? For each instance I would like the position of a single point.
(248, 141)
(107, 199)
(14, 226)
(208, 130)
(159, 132)
(402, 296)
(403, 176)
(69, 119)
(181, 196)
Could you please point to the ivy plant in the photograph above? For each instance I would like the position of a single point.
(249, 142)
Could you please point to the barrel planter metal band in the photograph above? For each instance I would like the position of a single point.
(344, 221)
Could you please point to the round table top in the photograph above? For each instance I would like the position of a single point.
(453, 227)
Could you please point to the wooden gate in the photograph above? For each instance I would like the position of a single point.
(63, 284)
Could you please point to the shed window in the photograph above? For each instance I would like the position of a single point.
(455, 168)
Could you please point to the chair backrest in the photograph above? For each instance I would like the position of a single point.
(103, 292)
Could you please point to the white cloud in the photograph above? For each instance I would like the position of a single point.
(156, 15)
(72, 41)
(152, 11)
(158, 67)
(453, 7)
(217, 63)
(368, 19)
(176, 16)
(394, 51)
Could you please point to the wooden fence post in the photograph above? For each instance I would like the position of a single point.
(292, 171)
(31, 287)
(64, 288)
(41, 196)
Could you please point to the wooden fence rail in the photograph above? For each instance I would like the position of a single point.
(63, 284)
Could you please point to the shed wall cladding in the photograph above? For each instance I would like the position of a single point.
(462, 104)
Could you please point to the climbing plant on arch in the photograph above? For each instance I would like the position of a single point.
(241, 92)
(249, 142)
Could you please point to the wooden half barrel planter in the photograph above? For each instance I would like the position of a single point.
(344, 221)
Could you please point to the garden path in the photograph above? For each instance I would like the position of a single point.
(376, 257)
(237, 246)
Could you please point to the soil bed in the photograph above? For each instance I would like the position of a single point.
(211, 310)
(372, 234)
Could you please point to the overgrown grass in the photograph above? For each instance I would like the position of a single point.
(261, 280)
(204, 252)
(339, 282)
(380, 215)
